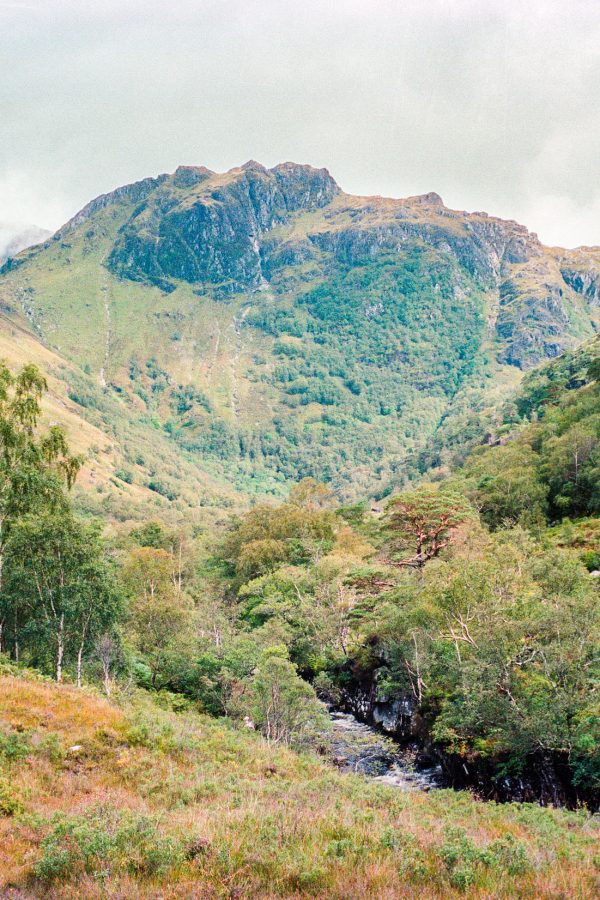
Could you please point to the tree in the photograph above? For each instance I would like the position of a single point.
(421, 523)
(60, 587)
(155, 535)
(500, 652)
(160, 615)
(294, 532)
(507, 486)
(34, 466)
(570, 465)
(283, 706)
(107, 651)
(311, 494)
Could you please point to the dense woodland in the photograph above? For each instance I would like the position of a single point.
(471, 596)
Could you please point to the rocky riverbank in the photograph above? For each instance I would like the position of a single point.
(360, 748)
(546, 780)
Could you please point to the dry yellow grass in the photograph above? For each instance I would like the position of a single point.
(176, 805)
(39, 704)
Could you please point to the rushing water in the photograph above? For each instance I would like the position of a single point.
(357, 747)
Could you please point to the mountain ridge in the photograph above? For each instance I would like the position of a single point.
(274, 327)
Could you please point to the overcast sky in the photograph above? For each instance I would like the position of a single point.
(494, 105)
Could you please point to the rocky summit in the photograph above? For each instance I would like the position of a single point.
(269, 326)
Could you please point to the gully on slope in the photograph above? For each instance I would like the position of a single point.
(358, 748)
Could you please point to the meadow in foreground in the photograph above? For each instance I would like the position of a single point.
(141, 800)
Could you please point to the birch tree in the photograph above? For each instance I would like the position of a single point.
(35, 466)
(58, 577)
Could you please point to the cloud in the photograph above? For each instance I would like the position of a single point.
(493, 104)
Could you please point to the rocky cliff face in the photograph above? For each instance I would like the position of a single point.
(547, 780)
(580, 269)
(234, 232)
(203, 228)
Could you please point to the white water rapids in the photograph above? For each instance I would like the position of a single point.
(358, 748)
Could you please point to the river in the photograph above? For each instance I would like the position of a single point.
(358, 748)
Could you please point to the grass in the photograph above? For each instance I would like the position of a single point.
(113, 436)
(141, 801)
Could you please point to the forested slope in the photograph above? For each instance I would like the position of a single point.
(458, 616)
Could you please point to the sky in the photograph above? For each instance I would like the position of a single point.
(494, 105)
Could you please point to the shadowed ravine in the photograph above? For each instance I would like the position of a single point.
(358, 748)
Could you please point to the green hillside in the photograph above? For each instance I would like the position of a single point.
(271, 327)
(541, 462)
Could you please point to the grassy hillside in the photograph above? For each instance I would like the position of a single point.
(270, 327)
(130, 464)
(135, 800)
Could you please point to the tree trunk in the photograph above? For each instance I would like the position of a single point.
(79, 658)
(16, 641)
(80, 651)
(60, 648)
(106, 678)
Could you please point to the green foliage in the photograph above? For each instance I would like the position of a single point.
(376, 337)
(500, 651)
(293, 532)
(56, 590)
(125, 475)
(160, 616)
(104, 840)
(10, 801)
(14, 746)
(152, 534)
(282, 705)
(60, 593)
(34, 465)
(551, 468)
(507, 485)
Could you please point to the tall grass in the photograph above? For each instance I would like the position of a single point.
(141, 801)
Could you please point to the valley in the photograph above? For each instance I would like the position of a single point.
(299, 548)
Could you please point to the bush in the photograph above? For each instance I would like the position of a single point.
(102, 840)
(124, 475)
(14, 746)
(10, 802)
(282, 705)
(160, 488)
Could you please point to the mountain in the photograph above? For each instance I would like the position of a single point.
(267, 326)
(14, 238)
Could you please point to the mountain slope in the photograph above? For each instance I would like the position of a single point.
(541, 462)
(275, 327)
(130, 465)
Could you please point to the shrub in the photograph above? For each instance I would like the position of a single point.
(102, 840)
(14, 746)
(10, 803)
